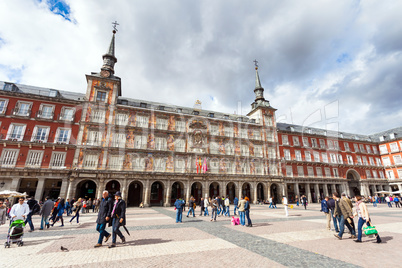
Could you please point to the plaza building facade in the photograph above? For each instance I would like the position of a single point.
(154, 152)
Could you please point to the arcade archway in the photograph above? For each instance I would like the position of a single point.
(353, 179)
(275, 193)
(86, 189)
(156, 194)
(246, 191)
(196, 191)
(231, 190)
(214, 189)
(134, 194)
(177, 192)
(112, 187)
(260, 192)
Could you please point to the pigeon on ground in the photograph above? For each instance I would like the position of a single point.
(63, 248)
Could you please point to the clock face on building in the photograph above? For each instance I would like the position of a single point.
(105, 73)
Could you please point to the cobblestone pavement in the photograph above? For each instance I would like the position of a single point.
(300, 240)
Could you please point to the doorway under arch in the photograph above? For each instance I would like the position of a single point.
(196, 191)
(112, 187)
(246, 191)
(86, 189)
(275, 190)
(231, 190)
(214, 189)
(260, 192)
(134, 198)
(156, 194)
(177, 192)
(353, 178)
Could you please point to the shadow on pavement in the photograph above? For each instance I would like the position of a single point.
(38, 242)
(141, 242)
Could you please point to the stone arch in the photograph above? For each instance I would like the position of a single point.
(196, 190)
(177, 191)
(113, 186)
(135, 192)
(353, 179)
(28, 185)
(261, 192)
(214, 189)
(231, 190)
(246, 190)
(86, 188)
(157, 193)
(276, 192)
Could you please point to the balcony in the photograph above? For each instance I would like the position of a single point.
(47, 115)
(21, 112)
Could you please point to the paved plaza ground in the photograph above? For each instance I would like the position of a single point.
(300, 240)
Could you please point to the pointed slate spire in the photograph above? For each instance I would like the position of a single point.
(259, 90)
(109, 58)
(257, 79)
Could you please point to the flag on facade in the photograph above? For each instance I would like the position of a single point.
(204, 166)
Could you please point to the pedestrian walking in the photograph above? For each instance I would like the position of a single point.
(3, 213)
(89, 205)
(242, 213)
(19, 211)
(54, 211)
(350, 219)
(235, 204)
(214, 206)
(247, 212)
(227, 206)
(202, 206)
(45, 212)
(118, 219)
(304, 201)
(297, 200)
(396, 201)
(285, 204)
(206, 204)
(33, 208)
(76, 210)
(104, 214)
(342, 213)
(388, 200)
(60, 211)
(325, 209)
(331, 206)
(191, 205)
(364, 218)
(68, 207)
(179, 209)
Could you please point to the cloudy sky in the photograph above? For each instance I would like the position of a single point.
(330, 64)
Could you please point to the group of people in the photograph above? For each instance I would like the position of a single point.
(342, 212)
(219, 206)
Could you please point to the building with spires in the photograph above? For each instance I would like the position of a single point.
(155, 152)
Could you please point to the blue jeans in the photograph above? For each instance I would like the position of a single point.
(100, 227)
(235, 208)
(335, 221)
(213, 214)
(116, 230)
(359, 230)
(342, 222)
(297, 203)
(270, 205)
(389, 204)
(227, 213)
(206, 211)
(44, 221)
(179, 215)
(76, 215)
(248, 217)
(190, 210)
(29, 221)
(242, 215)
(374, 204)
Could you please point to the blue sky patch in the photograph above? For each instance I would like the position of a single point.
(13, 74)
(59, 8)
(343, 57)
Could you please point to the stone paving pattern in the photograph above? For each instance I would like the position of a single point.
(300, 240)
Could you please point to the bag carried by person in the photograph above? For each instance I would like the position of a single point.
(370, 230)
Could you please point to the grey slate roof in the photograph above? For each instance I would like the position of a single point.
(386, 135)
(42, 91)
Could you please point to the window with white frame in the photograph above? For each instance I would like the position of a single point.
(62, 135)
(101, 96)
(356, 147)
(335, 171)
(180, 126)
(300, 171)
(340, 159)
(140, 142)
(271, 153)
(361, 146)
(314, 143)
(23, 108)
(161, 123)
(383, 149)
(34, 159)
(287, 154)
(327, 172)
(16, 132)
(90, 161)
(257, 134)
(359, 160)
(298, 155)
(160, 143)
(46, 111)
(310, 171)
(390, 174)
(319, 171)
(289, 171)
(375, 175)
(229, 149)
(243, 133)
(98, 116)
(330, 144)
(67, 114)
(273, 169)
(9, 157)
(365, 160)
(94, 138)
(119, 140)
(368, 173)
(142, 121)
(371, 161)
(121, 119)
(228, 131)
(368, 148)
(333, 158)
(214, 147)
(378, 160)
(285, 140)
(336, 145)
(40, 134)
(397, 159)
(394, 147)
(400, 173)
(307, 155)
(160, 164)
(305, 142)
(316, 157)
(322, 144)
(179, 165)
(350, 159)
(244, 150)
(58, 160)
(296, 141)
(214, 130)
(347, 148)
(3, 105)
(400, 144)
(258, 151)
(116, 162)
(381, 174)
(375, 149)
(324, 157)
(138, 163)
(180, 145)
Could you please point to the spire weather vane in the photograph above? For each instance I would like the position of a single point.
(115, 26)
(256, 64)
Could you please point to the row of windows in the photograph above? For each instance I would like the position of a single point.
(46, 111)
(318, 172)
(16, 132)
(34, 159)
(330, 144)
(392, 146)
(333, 158)
(391, 174)
(387, 160)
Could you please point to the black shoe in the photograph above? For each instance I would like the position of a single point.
(187, 216)
(113, 245)
(357, 241)
(47, 225)
(123, 240)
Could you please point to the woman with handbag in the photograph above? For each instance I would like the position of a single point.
(76, 210)
(364, 218)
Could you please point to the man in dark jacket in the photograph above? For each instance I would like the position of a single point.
(331, 206)
(45, 212)
(235, 203)
(118, 219)
(32, 203)
(202, 205)
(325, 209)
(105, 211)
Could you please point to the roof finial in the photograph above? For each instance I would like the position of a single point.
(256, 64)
(115, 26)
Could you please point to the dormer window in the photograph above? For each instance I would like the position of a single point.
(124, 102)
(196, 112)
(101, 96)
(179, 110)
(162, 108)
(53, 93)
(225, 116)
(392, 136)
(143, 105)
(382, 138)
(211, 115)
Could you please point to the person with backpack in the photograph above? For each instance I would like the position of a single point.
(396, 201)
(247, 212)
(325, 209)
(179, 209)
(33, 209)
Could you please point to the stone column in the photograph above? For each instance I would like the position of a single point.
(100, 188)
(347, 189)
(188, 189)
(255, 193)
(333, 189)
(297, 191)
(204, 189)
(14, 185)
(308, 193)
(39, 189)
(124, 190)
(70, 189)
(269, 191)
(147, 193)
(168, 192)
(64, 187)
(240, 189)
(317, 191)
(326, 190)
